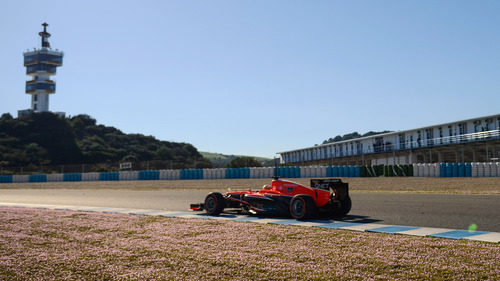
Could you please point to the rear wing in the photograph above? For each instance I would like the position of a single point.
(341, 189)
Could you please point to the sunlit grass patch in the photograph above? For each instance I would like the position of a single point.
(67, 245)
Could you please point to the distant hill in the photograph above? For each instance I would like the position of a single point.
(46, 139)
(221, 160)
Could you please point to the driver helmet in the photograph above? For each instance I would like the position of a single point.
(266, 186)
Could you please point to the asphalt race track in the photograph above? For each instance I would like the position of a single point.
(424, 210)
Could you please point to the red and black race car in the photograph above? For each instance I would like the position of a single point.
(325, 197)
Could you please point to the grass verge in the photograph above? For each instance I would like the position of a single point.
(65, 245)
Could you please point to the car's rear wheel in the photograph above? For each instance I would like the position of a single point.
(345, 207)
(302, 207)
(214, 203)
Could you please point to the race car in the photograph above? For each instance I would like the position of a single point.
(325, 197)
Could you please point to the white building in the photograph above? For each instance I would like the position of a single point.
(470, 140)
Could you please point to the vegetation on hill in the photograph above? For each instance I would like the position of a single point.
(240, 162)
(221, 160)
(46, 139)
(353, 135)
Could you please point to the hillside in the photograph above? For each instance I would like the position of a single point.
(353, 135)
(46, 139)
(221, 160)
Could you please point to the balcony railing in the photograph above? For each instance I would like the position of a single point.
(385, 148)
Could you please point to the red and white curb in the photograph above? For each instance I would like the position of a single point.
(493, 237)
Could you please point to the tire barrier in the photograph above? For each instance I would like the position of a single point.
(149, 175)
(237, 173)
(490, 169)
(343, 171)
(37, 178)
(129, 175)
(287, 172)
(55, 177)
(261, 172)
(20, 178)
(448, 170)
(6, 179)
(485, 169)
(191, 174)
(170, 174)
(109, 176)
(72, 177)
(90, 176)
(314, 172)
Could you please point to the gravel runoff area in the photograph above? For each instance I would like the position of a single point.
(381, 184)
(67, 245)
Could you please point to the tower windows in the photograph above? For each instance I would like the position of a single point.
(35, 98)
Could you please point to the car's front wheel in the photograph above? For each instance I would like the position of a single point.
(302, 207)
(214, 203)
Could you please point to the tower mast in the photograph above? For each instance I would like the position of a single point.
(40, 65)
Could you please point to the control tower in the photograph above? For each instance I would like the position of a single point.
(40, 65)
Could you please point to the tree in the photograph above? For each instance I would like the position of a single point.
(6, 116)
(164, 153)
(243, 162)
(35, 154)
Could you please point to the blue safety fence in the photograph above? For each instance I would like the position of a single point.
(6, 179)
(72, 177)
(287, 172)
(237, 173)
(192, 174)
(109, 176)
(343, 171)
(38, 178)
(149, 175)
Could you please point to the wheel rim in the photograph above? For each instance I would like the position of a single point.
(210, 203)
(298, 207)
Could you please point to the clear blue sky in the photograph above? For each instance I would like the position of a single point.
(260, 77)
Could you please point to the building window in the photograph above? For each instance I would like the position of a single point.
(462, 128)
(429, 136)
(488, 122)
(35, 106)
(35, 97)
(401, 141)
(477, 126)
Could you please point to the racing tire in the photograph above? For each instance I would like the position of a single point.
(302, 207)
(345, 207)
(214, 203)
